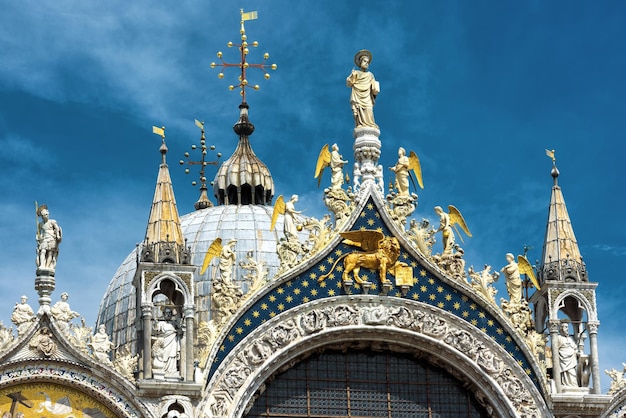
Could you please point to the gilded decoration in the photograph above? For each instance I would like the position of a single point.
(379, 253)
(63, 381)
(49, 399)
(326, 279)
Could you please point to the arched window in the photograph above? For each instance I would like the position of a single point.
(365, 384)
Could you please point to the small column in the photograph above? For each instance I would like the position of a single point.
(592, 328)
(44, 285)
(146, 315)
(189, 314)
(366, 153)
(556, 365)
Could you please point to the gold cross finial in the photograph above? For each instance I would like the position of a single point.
(244, 64)
(203, 162)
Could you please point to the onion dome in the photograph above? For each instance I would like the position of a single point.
(243, 179)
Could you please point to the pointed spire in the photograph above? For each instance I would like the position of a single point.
(164, 242)
(561, 259)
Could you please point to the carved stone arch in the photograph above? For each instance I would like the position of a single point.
(441, 338)
(112, 395)
(617, 407)
(175, 406)
(174, 285)
(585, 303)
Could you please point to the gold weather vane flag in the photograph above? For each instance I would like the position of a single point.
(159, 131)
(243, 65)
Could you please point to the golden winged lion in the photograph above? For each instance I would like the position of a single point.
(379, 253)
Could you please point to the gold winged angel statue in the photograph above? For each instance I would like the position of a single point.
(512, 273)
(447, 221)
(403, 169)
(289, 211)
(227, 256)
(330, 158)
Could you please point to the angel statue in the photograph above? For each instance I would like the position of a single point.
(226, 296)
(333, 160)
(512, 273)
(403, 169)
(447, 221)
(289, 211)
(227, 256)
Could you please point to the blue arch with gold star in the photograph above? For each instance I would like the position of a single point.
(427, 288)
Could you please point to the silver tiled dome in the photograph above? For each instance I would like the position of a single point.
(248, 224)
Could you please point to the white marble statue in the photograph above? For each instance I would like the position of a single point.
(49, 236)
(365, 88)
(289, 222)
(336, 167)
(227, 261)
(62, 312)
(101, 345)
(401, 169)
(568, 356)
(22, 316)
(513, 280)
(166, 346)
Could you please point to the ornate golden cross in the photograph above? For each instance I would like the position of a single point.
(244, 64)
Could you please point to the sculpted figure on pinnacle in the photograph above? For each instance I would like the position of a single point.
(365, 88)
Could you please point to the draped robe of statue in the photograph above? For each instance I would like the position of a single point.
(168, 347)
(568, 360)
(364, 91)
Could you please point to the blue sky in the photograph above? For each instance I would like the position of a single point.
(477, 89)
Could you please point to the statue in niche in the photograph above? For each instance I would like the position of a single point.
(49, 236)
(365, 88)
(166, 345)
(43, 343)
(23, 315)
(62, 312)
(101, 345)
(568, 356)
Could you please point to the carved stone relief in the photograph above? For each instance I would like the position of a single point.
(233, 378)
